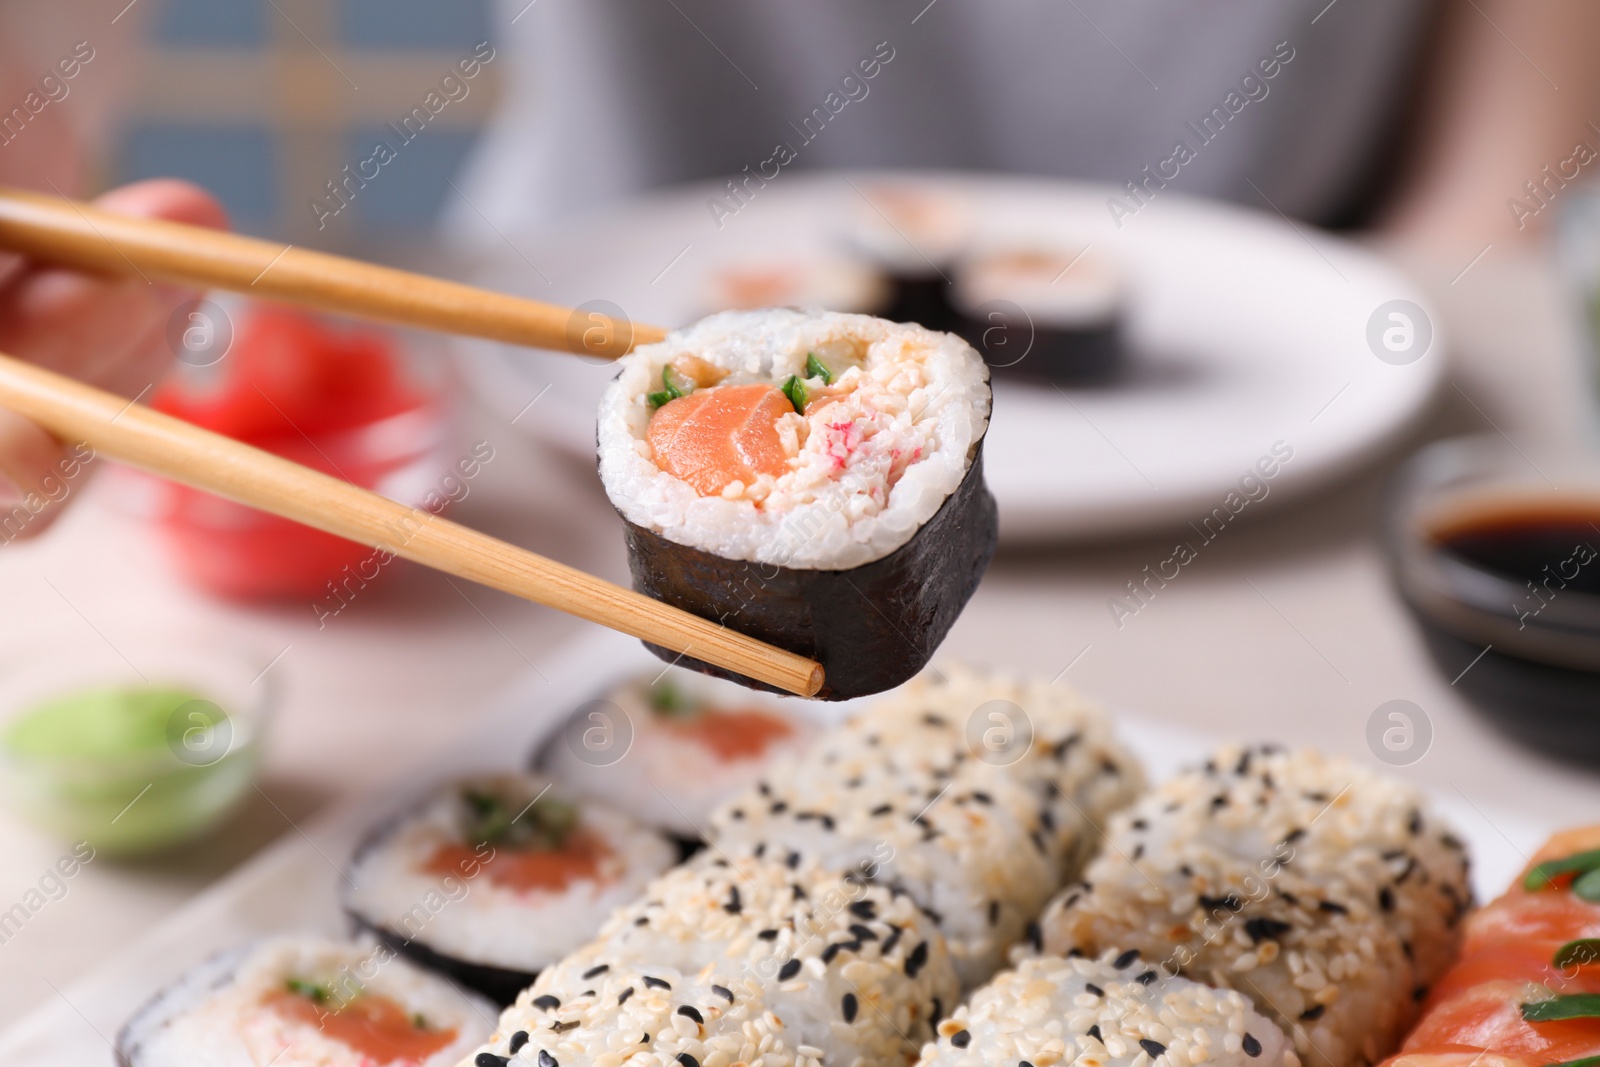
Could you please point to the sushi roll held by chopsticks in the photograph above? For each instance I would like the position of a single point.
(812, 479)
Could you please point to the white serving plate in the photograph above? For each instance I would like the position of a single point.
(293, 885)
(1247, 329)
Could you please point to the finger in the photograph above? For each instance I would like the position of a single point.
(30, 483)
(97, 328)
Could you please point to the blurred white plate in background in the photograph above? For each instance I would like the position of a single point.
(1247, 330)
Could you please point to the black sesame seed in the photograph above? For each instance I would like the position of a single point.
(1293, 835)
(518, 1039)
(764, 789)
(768, 935)
(1265, 929)
(1024, 1063)
(1035, 936)
(601, 969)
(724, 992)
(848, 1007)
(864, 909)
(546, 1003)
(642, 921)
(622, 997)
(1096, 990)
(1154, 1049)
(961, 1039)
(778, 807)
(1094, 1032)
(1138, 852)
(937, 1012)
(1126, 959)
(788, 970)
(994, 912)
(645, 1039)
(882, 809)
(1146, 978)
(687, 1060)
(489, 1059)
(1314, 1012)
(690, 1013)
(916, 960)
(547, 1060)
(1219, 801)
(799, 892)
(792, 860)
(1252, 1047)
(892, 940)
(981, 797)
(562, 1028)
(734, 906)
(1333, 907)
(1386, 899)
(656, 983)
(736, 814)
(831, 951)
(863, 933)
(760, 849)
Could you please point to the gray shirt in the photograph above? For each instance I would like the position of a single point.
(1251, 100)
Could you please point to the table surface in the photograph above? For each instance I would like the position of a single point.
(1287, 628)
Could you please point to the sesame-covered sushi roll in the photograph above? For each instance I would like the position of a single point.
(492, 879)
(988, 726)
(1105, 1013)
(851, 968)
(1043, 314)
(651, 1015)
(810, 479)
(305, 1002)
(669, 746)
(1330, 896)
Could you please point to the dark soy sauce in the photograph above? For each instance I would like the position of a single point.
(1549, 550)
(1554, 546)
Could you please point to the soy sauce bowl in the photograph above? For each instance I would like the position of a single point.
(1496, 552)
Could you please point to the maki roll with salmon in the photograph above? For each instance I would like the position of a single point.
(305, 1002)
(668, 747)
(1526, 989)
(492, 879)
(811, 479)
(1105, 1013)
(1330, 896)
(914, 234)
(1042, 315)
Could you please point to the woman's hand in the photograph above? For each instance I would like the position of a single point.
(109, 332)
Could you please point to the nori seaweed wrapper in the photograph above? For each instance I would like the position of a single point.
(871, 627)
(499, 984)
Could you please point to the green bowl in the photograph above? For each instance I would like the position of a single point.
(131, 749)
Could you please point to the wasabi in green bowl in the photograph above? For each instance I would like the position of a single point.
(129, 765)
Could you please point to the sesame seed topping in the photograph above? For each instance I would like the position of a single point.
(848, 1007)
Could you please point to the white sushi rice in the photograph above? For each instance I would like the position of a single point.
(1329, 895)
(664, 778)
(866, 471)
(1091, 1013)
(215, 1016)
(467, 916)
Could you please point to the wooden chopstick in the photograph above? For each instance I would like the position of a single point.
(73, 234)
(185, 453)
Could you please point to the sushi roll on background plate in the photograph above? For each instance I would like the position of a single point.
(1042, 314)
(491, 880)
(832, 284)
(668, 747)
(305, 1002)
(811, 479)
(915, 235)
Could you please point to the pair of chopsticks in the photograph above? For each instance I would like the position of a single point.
(73, 234)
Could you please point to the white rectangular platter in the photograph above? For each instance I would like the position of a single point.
(292, 886)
